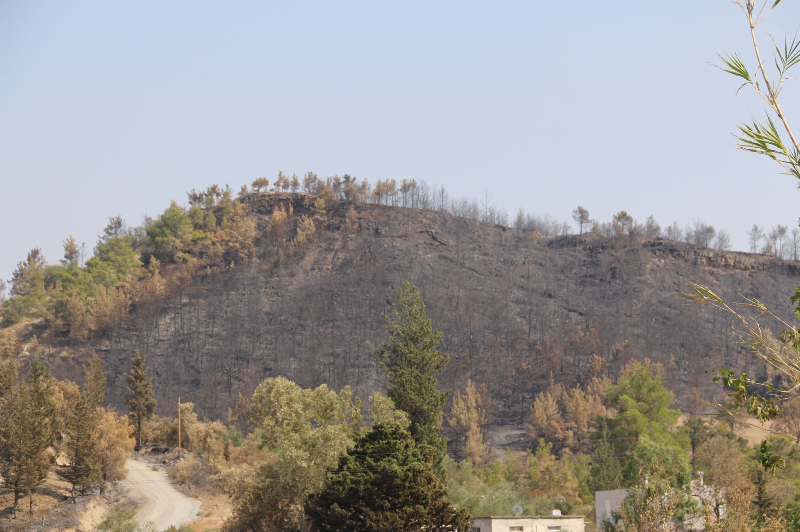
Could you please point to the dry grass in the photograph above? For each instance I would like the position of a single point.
(752, 431)
(53, 492)
(747, 427)
(216, 508)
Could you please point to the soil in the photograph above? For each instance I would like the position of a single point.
(157, 501)
(53, 508)
(216, 508)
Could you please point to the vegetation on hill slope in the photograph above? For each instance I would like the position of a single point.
(233, 290)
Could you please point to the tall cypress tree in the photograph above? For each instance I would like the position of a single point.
(27, 429)
(12, 446)
(764, 502)
(41, 425)
(606, 470)
(412, 363)
(86, 466)
(139, 398)
(94, 386)
(82, 447)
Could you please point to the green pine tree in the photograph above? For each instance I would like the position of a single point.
(643, 406)
(385, 483)
(412, 363)
(94, 386)
(764, 501)
(85, 468)
(27, 429)
(41, 424)
(139, 398)
(12, 446)
(606, 470)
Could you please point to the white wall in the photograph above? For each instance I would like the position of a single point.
(529, 523)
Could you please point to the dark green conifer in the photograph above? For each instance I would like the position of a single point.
(27, 429)
(606, 470)
(139, 398)
(85, 468)
(386, 483)
(764, 501)
(412, 363)
(94, 388)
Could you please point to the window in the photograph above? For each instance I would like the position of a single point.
(515, 529)
(553, 529)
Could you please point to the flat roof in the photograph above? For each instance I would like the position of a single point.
(527, 517)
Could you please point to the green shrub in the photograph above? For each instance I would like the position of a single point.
(183, 528)
(120, 520)
(234, 436)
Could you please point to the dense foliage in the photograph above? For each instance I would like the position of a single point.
(412, 363)
(385, 483)
(43, 417)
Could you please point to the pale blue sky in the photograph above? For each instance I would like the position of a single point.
(113, 108)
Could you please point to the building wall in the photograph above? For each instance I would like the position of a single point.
(567, 523)
(606, 502)
(481, 524)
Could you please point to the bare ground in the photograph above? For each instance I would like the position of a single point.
(156, 499)
(53, 508)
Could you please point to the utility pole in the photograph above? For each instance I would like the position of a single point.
(179, 425)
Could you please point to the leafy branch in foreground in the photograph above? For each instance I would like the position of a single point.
(764, 138)
(782, 353)
(762, 408)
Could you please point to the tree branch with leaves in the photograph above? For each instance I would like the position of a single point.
(764, 137)
(783, 352)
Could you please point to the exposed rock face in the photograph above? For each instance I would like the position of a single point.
(514, 309)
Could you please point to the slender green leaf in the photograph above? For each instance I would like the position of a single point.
(735, 66)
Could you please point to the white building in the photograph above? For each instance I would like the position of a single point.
(555, 522)
(607, 502)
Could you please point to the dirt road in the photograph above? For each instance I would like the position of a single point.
(156, 499)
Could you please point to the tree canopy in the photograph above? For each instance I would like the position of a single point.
(305, 431)
(384, 484)
(643, 408)
(412, 363)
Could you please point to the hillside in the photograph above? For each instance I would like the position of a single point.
(515, 308)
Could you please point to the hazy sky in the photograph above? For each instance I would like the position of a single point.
(111, 108)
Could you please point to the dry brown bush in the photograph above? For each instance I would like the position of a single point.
(116, 442)
(10, 344)
(194, 473)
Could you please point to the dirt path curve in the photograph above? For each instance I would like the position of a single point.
(157, 501)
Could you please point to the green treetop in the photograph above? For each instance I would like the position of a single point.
(139, 398)
(28, 295)
(114, 259)
(384, 484)
(171, 234)
(412, 363)
(305, 431)
(643, 404)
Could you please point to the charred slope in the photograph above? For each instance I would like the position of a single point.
(514, 309)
